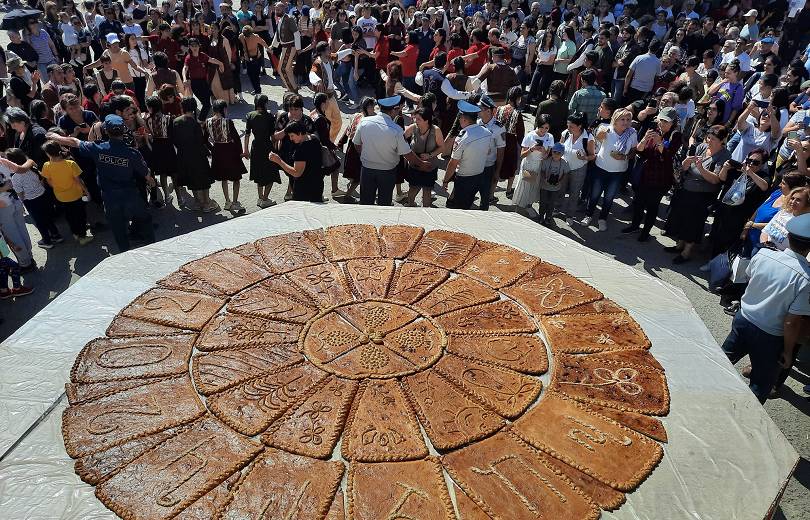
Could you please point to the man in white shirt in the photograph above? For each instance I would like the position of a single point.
(367, 24)
(739, 53)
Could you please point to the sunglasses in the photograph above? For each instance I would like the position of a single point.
(753, 162)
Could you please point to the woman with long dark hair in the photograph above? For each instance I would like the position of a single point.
(712, 117)
(220, 48)
(261, 124)
(322, 130)
(544, 69)
(162, 158)
(510, 118)
(427, 142)
(140, 57)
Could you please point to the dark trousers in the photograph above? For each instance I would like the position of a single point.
(202, 91)
(485, 188)
(140, 91)
(9, 268)
(465, 190)
(645, 206)
(607, 183)
(633, 95)
(763, 349)
(541, 80)
(377, 185)
(76, 217)
(254, 69)
(41, 211)
(121, 206)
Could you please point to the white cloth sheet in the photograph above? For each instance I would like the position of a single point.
(720, 438)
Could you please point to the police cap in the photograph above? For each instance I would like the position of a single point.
(113, 121)
(799, 226)
(390, 102)
(467, 107)
(486, 102)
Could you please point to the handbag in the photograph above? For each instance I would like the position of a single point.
(329, 161)
(739, 266)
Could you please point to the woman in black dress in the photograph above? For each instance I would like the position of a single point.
(162, 158)
(192, 156)
(226, 154)
(261, 124)
(305, 171)
(426, 142)
(322, 127)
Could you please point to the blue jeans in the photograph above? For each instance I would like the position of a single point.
(607, 183)
(346, 81)
(763, 349)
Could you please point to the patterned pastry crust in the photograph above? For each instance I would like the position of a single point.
(313, 427)
(506, 480)
(350, 344)
(617, 381)
(175, 473)
(591, 443)
(381, 426)
(507, 392)
(369, 277)
(499, 266)
(398, 241)
(222, 369)
(282, 485)
(454, 294)
(227, 331)
(252, 406)
(550, 295)
(183, 281)
(586, 333)
(99, 424)
(106, 359)
(413, 280)
(403, 490)
(446, 249)
(125, 327)
(288, 252)
(501, 317)
(352, 241)
(451, 417)
(174, 308)
(522, 352)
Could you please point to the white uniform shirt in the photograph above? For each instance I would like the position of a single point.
(471, 149)
(779, 285)
(382, 141)
(498, 140)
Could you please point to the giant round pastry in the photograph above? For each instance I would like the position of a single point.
(249, 382)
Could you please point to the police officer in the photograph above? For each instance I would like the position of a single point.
(471, 149)
(381, 142)
(492, 171)
(117, 165)
(773, 308)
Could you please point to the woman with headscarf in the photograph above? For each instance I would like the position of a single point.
(396, 29)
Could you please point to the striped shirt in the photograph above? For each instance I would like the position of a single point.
(28, 185)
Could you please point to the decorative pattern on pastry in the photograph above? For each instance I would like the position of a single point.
(246, 382)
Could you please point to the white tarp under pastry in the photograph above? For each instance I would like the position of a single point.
(720, 438)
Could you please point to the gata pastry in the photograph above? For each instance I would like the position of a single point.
(500, 317)
(454, 294)
(221, 369)
(584, 333)
(412, 280)
(499, 266)
(352, 241)
(284, 253)
(398, 241)
(229, 272)
(522, 352)
(446, 249)
(552, 294)
(227, 331)
(370, 277)
(174, 308)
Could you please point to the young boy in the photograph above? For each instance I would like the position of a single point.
(63, 176)
(10, 268)
(39, 203)
(552, 172)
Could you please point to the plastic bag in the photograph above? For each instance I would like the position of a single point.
(736, 194)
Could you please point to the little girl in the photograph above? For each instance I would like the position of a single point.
(226, 158)
(553, 171)
(70, 37)
(534, 148)
(63, 176)
(10, 269)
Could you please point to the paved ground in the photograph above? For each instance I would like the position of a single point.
(66, 263)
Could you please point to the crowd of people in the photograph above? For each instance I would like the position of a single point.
(698, 110)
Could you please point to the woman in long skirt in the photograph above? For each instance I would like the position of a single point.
(535, 147)
(261, 124)
(226, 155)
(511, 119)
(192, 156)
(162, 158)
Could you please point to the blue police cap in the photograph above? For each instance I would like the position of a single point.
(113, 120)
(468, 108)
(486, 102)
(390, 102)
(799, 226)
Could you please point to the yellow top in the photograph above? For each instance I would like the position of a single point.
(63, 178)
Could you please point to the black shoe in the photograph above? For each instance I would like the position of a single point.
(680, 260)
(630, 229)
(673, 249)
(643, 236)
(28, 268)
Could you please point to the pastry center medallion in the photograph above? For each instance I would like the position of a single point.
(372, 338)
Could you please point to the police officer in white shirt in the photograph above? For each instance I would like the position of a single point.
(773, 309)
(471, 149)
(380, 142)
(492, 172)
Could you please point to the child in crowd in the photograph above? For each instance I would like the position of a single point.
(36, 199)
(12, 221)
(10, 268)
(553, 170)
(70, 37)
(63, 176)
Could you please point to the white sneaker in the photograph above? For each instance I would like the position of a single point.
(268, 203)
(338, 193)
(569, 221)
(228, 206)
(602, 225)
(586, 221)
(705, 268)
(402, 198)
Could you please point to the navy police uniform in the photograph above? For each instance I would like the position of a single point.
(471, 149)
(116, 166)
